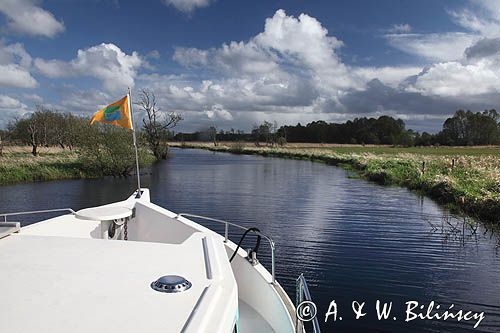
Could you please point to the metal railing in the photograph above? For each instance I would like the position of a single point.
(303, 295)
(4, 215)
(226, 236)
(226, 228)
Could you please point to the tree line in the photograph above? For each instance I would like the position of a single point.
(45, 128)
(103, 149)
(467, 128)
(463, 128)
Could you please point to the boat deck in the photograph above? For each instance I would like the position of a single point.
(77, 273)
(251, 321)
(57, 275)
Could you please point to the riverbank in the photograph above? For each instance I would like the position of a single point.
(18, 165)
(463, 178)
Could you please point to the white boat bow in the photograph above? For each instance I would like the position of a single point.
(132, 266)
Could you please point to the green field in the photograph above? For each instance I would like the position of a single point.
(464, 178)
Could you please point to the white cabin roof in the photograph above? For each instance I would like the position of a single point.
(50, 284)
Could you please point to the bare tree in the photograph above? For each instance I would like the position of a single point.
(33, 129)
(212, 132)
(256, 134)
(3, 137)
(41, 126)
(156, 124)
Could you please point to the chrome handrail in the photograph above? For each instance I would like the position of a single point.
(226, 236)
(37, 212)
(303, 295)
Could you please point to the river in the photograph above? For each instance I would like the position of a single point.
(353, 240)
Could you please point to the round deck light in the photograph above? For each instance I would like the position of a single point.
(171, 284)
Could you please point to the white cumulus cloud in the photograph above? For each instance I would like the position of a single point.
(467, 64)
(26, 17)
(293, 59)
(291, 71)
(106, 62)
(240, 57)
(7, 102)
(15, 65)
(459, 79)
(11, 108)
(218, 112)
(478, 72)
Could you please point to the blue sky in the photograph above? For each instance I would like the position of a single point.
(233, 63)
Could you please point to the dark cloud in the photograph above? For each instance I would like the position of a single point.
(379, 97)
(420, 112)
(483, 48)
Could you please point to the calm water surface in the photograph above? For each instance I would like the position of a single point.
(353, 240)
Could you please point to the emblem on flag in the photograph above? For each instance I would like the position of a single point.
(117, 114)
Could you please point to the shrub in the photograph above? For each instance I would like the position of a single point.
(281, 141)
(237, 147)
(108, 150)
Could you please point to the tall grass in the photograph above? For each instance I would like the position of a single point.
(17, 165)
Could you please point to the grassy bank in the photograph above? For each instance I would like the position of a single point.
(18, 165)
(464, 178)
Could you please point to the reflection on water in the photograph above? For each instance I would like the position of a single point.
(464, 230)
(352, 239)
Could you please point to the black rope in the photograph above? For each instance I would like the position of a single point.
(257, 244)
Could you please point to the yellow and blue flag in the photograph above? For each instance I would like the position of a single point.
(117, 114)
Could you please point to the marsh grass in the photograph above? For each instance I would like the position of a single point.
(237, 147)
(17, 165)
(464, 178)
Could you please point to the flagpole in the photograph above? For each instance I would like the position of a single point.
(135, 144)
